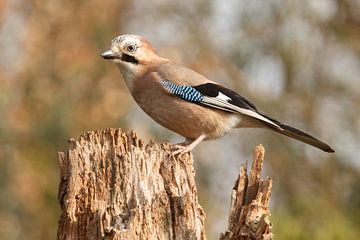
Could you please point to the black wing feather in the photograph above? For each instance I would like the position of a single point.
(213, 90)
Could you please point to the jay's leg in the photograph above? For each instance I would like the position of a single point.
(187, 146)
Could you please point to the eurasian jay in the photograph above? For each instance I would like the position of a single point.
(186, 102)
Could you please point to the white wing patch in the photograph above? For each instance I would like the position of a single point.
(222, 97)
(220, 102)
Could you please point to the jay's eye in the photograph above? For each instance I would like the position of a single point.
(131, 48)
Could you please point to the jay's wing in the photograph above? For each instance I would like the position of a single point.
(216, 96)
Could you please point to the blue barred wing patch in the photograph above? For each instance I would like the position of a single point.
(187, 93)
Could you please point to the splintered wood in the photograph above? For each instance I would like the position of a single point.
(249, 212)
(112, 186)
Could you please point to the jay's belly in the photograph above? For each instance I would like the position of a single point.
(189, 119)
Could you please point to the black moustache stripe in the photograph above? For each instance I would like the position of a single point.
(128, 58)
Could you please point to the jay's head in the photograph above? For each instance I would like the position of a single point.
(129, 50)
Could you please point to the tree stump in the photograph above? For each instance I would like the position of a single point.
(113, 186)
(249, 217)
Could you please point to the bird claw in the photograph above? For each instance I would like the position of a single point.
(187, 146)
(179, 150)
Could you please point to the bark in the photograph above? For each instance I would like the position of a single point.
(249, 211)
(112, 186)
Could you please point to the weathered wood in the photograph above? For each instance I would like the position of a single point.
(249, 217)
(112, 186)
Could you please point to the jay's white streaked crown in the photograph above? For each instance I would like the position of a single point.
(129, 49)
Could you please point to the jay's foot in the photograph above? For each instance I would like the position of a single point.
(185, 147)
(180, 149)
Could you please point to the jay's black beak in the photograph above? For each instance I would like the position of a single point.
(108, 55)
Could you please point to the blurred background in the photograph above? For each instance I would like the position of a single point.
(299, 61)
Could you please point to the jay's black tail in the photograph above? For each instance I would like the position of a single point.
(299, 135)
